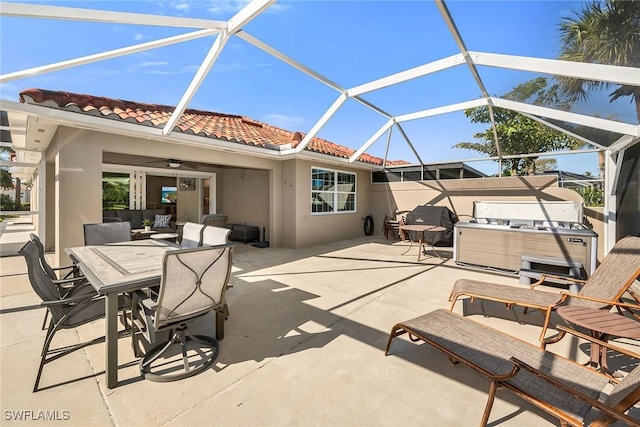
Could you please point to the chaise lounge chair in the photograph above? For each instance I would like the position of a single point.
(609, 282)
(559, 386)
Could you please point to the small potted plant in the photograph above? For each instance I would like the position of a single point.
(147, 224)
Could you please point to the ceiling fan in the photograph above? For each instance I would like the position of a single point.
(175, 163)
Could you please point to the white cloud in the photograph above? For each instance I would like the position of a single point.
(226, 6)
(144, 64)
(182, 6)
(284, 121)
(226, 67)
(139, 37)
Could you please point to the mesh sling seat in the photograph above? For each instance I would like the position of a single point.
(67, 309)
(109, 232)
(505, 360)
(67, 283)
(609, 282)
(193, 284)
(191, 235)
(212, 235)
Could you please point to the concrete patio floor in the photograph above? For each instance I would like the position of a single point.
(304, 345)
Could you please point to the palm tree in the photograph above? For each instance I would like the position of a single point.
(603, 32)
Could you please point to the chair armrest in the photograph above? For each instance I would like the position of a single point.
(602, 301)
(544, 276)
(72, 300)
(610, 411)
(599, 342)
(61, 282)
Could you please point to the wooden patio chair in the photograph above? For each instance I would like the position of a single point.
(565, 389)
(607, 285)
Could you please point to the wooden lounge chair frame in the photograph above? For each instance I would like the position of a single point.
(508, 363)
(622, 261)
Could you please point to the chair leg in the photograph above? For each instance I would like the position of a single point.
(43, 356)
(44, 321)
(487, 409)
(220, 316)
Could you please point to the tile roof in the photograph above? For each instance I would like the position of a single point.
(225, 127)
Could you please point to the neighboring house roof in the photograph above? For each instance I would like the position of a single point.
(225, 127)
(571, 179)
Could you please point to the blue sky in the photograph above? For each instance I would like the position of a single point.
(349, 42)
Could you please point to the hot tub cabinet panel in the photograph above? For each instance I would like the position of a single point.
(501, 246)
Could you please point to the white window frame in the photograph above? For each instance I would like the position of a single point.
(335, 191)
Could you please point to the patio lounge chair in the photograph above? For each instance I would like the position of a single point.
(68, 311)
(559, 386)
(193, 284)
(608, 283)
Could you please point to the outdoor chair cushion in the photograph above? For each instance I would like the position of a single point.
(162, 221)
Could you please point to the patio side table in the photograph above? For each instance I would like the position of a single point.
(601, 325)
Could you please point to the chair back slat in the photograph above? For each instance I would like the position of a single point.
(109, 232)
(212, 236)
(192, 235)
(193, 282)
(614, 275)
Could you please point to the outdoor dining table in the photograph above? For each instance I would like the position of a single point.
(114, 269)
(421, 229)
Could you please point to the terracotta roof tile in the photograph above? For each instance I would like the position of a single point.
(228, 127)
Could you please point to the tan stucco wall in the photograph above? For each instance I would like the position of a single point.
(77, 180)
(316, 229)
(264, 192)
(246, 197)
(459, 195)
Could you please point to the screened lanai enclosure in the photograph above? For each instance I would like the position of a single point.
(396, 80)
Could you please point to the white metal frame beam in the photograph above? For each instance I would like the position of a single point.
(243, 17)
(31, 72)
(406, 75)
(342, 98)
(371, 140)
(442, 110)
(406, 138)
(567, 116)
(579, 70)
(453, 29)
(24, 10)
(559, 129)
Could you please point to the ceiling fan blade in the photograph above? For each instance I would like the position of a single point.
(191, 165)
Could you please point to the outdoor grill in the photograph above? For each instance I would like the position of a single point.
(433, 215)
(503, 235)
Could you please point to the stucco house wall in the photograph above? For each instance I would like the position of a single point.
(254, 191)
(459, 195)
(263, 192)
(313, 229)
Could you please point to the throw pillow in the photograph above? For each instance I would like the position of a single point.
(162, 221)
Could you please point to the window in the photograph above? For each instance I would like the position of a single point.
(332, 191)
